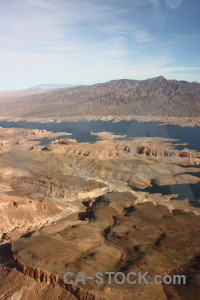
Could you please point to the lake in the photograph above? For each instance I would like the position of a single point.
(80, 130)
(183, 191)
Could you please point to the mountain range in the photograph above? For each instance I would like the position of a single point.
(152, 97)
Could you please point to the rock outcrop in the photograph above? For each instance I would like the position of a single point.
(48, 278)
(115, 234)
(49, 188)
(107, 149)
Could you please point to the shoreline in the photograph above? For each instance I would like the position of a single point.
(182, 122)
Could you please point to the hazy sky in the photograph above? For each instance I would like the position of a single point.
(90, 41)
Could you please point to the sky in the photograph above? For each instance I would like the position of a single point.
(91, 41)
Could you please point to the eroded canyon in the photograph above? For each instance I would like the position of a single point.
(69, 206)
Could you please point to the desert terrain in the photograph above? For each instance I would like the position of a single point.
(100, 150)
(113, 204)
(154, 99)
(69, 206)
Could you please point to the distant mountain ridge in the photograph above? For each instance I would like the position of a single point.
(154, 97)
(50, 86)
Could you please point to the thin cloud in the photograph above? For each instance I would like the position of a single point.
(85, 42)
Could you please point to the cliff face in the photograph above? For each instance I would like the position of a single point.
(151, 150)
(121, 149)
(46, 277)
(48, 187)
(115, 234)
(154, 97)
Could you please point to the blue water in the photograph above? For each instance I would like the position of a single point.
(184, 191)
(81, 130)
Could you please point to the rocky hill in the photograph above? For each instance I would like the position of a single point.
(152, 97)
(115, 233)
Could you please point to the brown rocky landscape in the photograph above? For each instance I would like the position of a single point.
(68, 206)
(115, 234)
(157, 98)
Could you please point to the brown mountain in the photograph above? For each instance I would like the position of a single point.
(153, 97)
